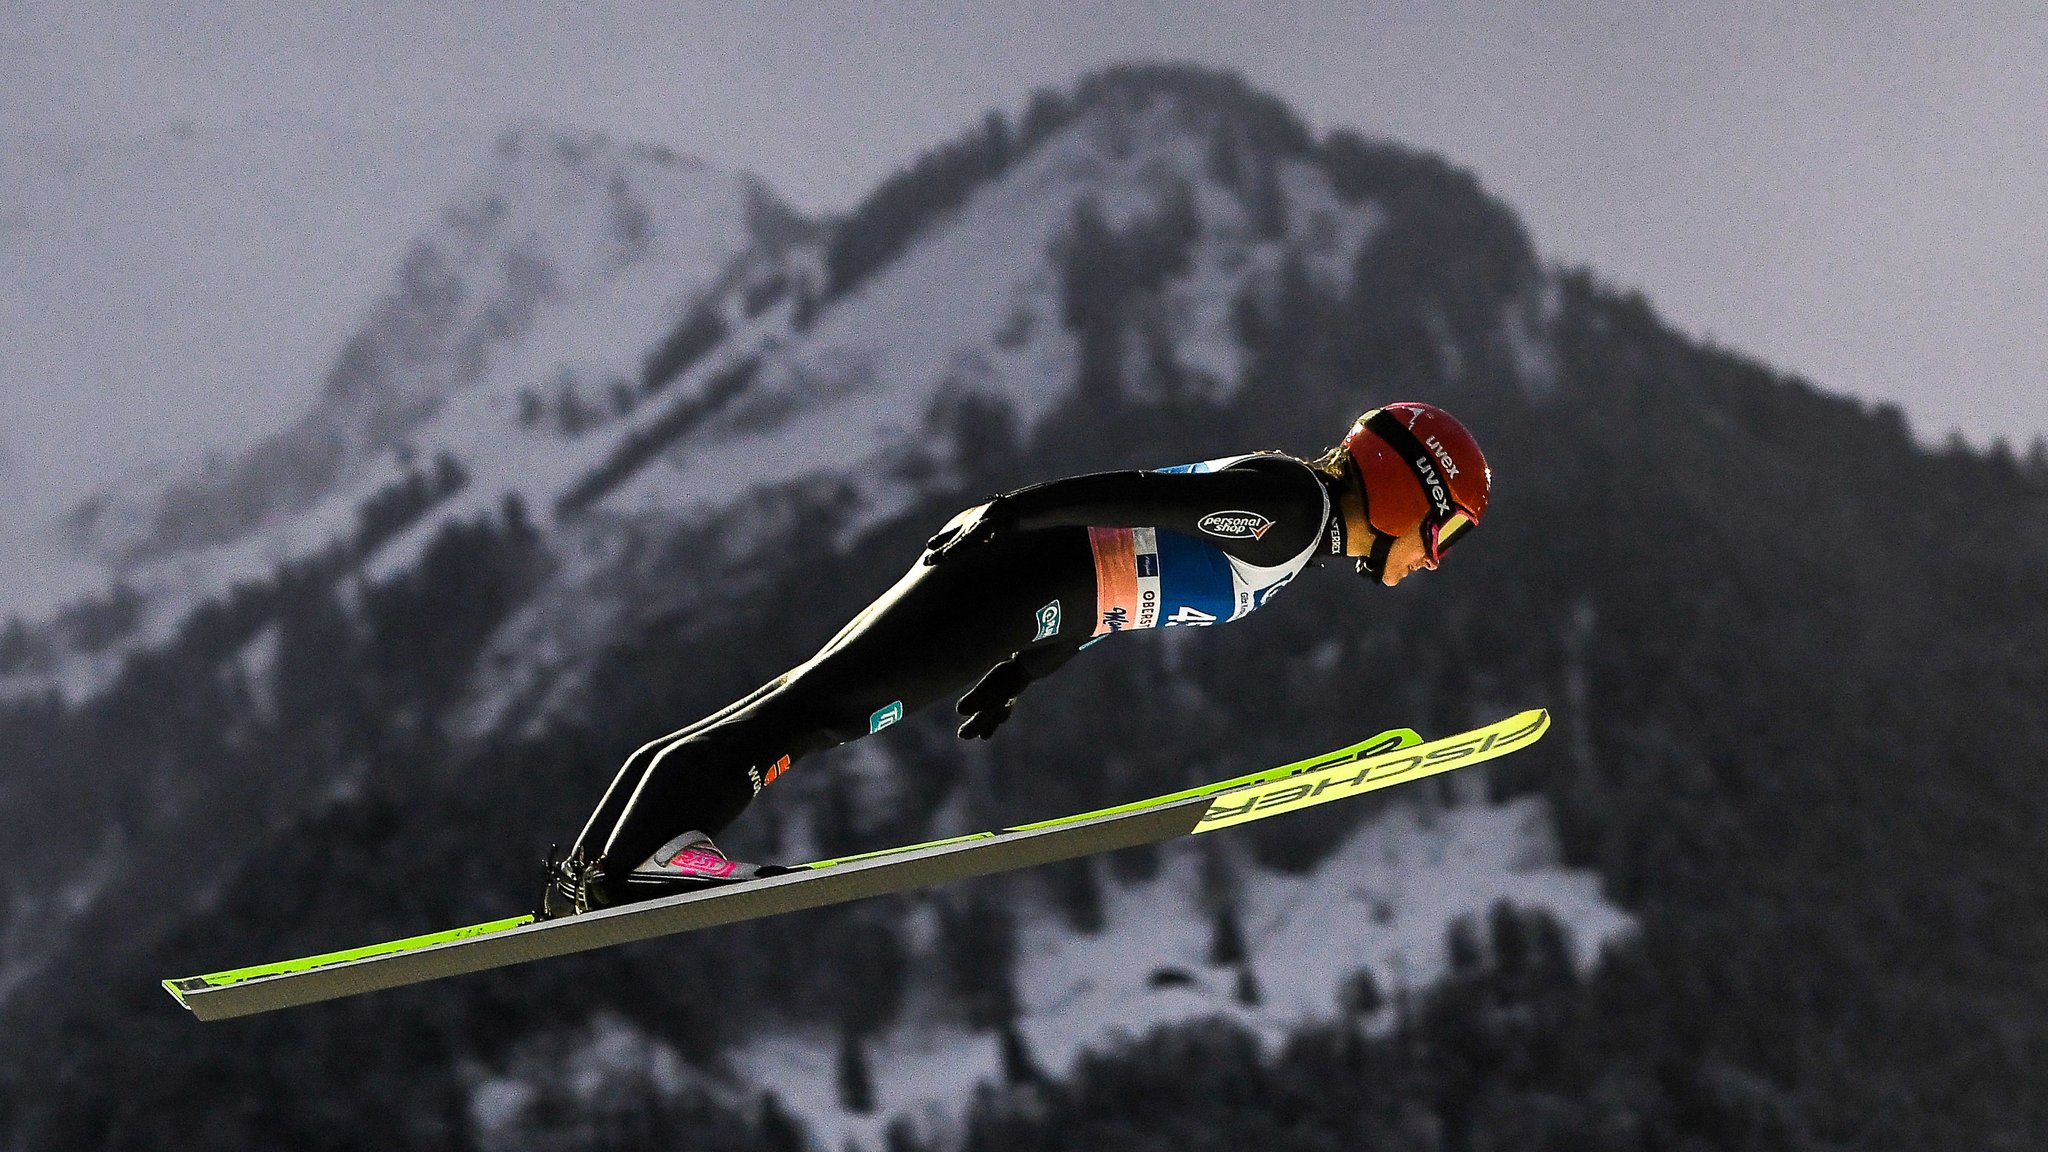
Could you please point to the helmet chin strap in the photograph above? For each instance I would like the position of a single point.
(1373, 564)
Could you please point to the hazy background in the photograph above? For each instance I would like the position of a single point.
(194, 195)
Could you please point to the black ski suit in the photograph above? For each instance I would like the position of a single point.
(1047, 570)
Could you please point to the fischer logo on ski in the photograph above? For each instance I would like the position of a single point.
(1342, 779)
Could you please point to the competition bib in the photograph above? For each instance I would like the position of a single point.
(1153, 577)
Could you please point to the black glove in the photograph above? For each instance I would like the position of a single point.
(976, 528)
(989, 702)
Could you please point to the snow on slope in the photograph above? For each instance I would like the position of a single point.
(563, 263)
(543, 285)
(1381, 902)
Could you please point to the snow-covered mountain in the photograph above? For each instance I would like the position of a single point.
(521, 326)
(562, 258)
(865, 395)
(617, 333)
(161, 290)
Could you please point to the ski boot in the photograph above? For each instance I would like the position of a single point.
(687, 863)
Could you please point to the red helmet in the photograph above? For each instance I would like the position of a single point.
(1420, 467)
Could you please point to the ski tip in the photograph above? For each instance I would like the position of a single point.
(1359, 769)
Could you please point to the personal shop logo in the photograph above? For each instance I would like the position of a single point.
(1235, 525)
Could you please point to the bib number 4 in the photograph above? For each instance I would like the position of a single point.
(1189, 615)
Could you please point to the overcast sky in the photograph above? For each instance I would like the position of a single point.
(1862, 200)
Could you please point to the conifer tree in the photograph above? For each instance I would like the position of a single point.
(1247, 991)
(979, 939)
(1018, 1065)
(1226, 938)
(856, 1083)
(776, 1129)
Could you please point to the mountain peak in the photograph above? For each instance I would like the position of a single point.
(556, 230)
(1209, 94)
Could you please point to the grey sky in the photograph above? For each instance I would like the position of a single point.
(1862, 200)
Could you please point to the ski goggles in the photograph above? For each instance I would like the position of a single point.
(1439, 535)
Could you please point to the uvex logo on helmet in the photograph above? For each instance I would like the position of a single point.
(1434, 485)
(1235, 525)
(1443, 456)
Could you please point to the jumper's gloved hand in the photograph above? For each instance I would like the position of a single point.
(974, 526)
(989, 702)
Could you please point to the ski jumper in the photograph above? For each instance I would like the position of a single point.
(1071, 562)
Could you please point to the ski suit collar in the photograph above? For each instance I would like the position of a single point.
(1335, 536)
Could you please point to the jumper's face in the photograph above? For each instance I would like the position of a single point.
(1408, 554)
